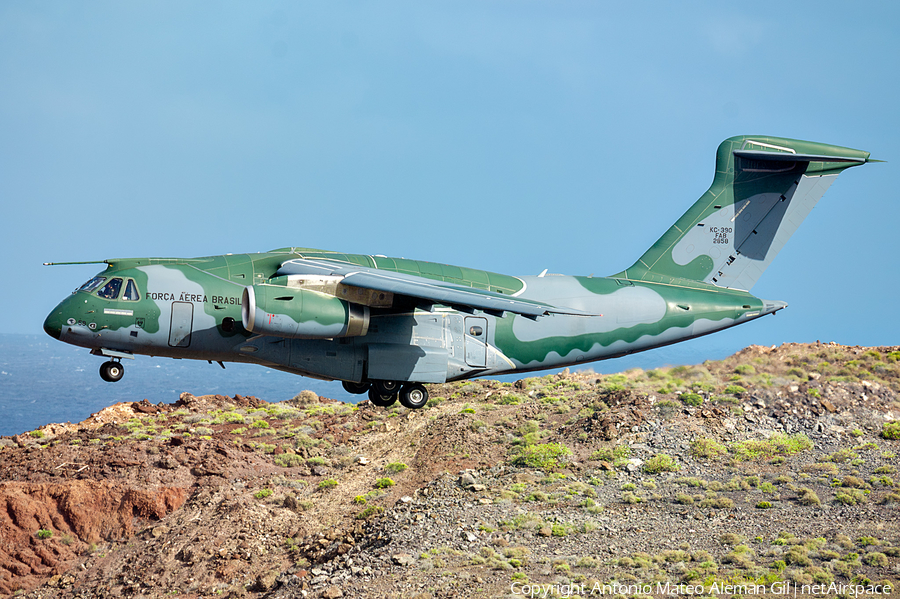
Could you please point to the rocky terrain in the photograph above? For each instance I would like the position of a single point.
(775, 467)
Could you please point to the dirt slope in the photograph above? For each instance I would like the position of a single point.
(776, 466)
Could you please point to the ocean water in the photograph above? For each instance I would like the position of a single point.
(44, 381)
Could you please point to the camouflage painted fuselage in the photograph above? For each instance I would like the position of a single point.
(306, 311)
(185, 307)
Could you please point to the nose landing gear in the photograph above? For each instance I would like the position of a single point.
(111, 371)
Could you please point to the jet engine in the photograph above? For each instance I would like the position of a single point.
(301, 313)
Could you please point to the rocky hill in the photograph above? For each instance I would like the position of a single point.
(776, 466)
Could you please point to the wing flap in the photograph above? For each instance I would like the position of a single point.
(422, 288)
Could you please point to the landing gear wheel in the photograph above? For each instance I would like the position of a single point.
(382, 400)
(355, 388)
(413, 396)
(387, 387)
(111, 371)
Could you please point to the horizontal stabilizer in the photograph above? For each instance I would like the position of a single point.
(791, 157)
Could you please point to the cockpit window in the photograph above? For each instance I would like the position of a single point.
(131, 292)
(92, 284)
(111, 289)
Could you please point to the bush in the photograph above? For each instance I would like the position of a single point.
(879, 560)
(288, 460)
(372, 510)
(546, 456)
(630, 498)
(734, 390)
(328, 483)
(661, 463)
(44, 533)
(396, 467)
(850, 497)
(780, 444)
(692, 399)
(617, 454)
(807, 496)
(717, 502)
(891, 430)
(383, 483)
(262, 493)
(707, 448)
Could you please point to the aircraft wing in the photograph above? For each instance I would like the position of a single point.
(424, 289)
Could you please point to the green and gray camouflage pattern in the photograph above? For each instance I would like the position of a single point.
(386, 325)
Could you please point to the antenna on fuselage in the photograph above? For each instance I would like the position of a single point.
(71, 263)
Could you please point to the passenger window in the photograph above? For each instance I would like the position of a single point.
(111, 289)
(131, 292)
(92, 284)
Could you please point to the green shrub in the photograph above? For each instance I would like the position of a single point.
(692, 399)
(546, 456)
(891, 430)
(764, 505)
(630, 498)
(717, 502)
(372, 510)
(384, 483)
(396, 467)
(807, 496)
(879, 560)
(510, 399)
(850, 497)
(44, 534)
(661, 463)
(288, 460)
(707, 448)
(328, 483)
(745, 369)
(617, 454)
(734, 390)
(263, 493)
(780, 444)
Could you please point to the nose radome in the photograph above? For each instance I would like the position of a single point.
(53, 324)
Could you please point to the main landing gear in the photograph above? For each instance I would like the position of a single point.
(385, 393)
(111, 371)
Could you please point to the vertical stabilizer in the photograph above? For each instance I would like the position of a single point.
(763, 189)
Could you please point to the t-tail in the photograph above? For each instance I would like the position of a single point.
(763, 189)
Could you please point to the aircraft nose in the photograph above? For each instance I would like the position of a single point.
(53, 324)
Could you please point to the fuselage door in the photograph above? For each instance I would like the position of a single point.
(182, 321)
(476, 341)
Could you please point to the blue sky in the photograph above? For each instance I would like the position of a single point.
(507, 136)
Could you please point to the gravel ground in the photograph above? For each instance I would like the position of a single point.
(775, 467)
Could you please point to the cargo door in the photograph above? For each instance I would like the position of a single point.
(181, 323)
(476, 341)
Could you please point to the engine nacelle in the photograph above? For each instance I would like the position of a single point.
(300, 313)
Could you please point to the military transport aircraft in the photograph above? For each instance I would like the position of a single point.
(384, 326)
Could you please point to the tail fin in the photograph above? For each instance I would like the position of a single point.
(763, 189)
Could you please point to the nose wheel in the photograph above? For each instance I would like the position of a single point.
(111, 371)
